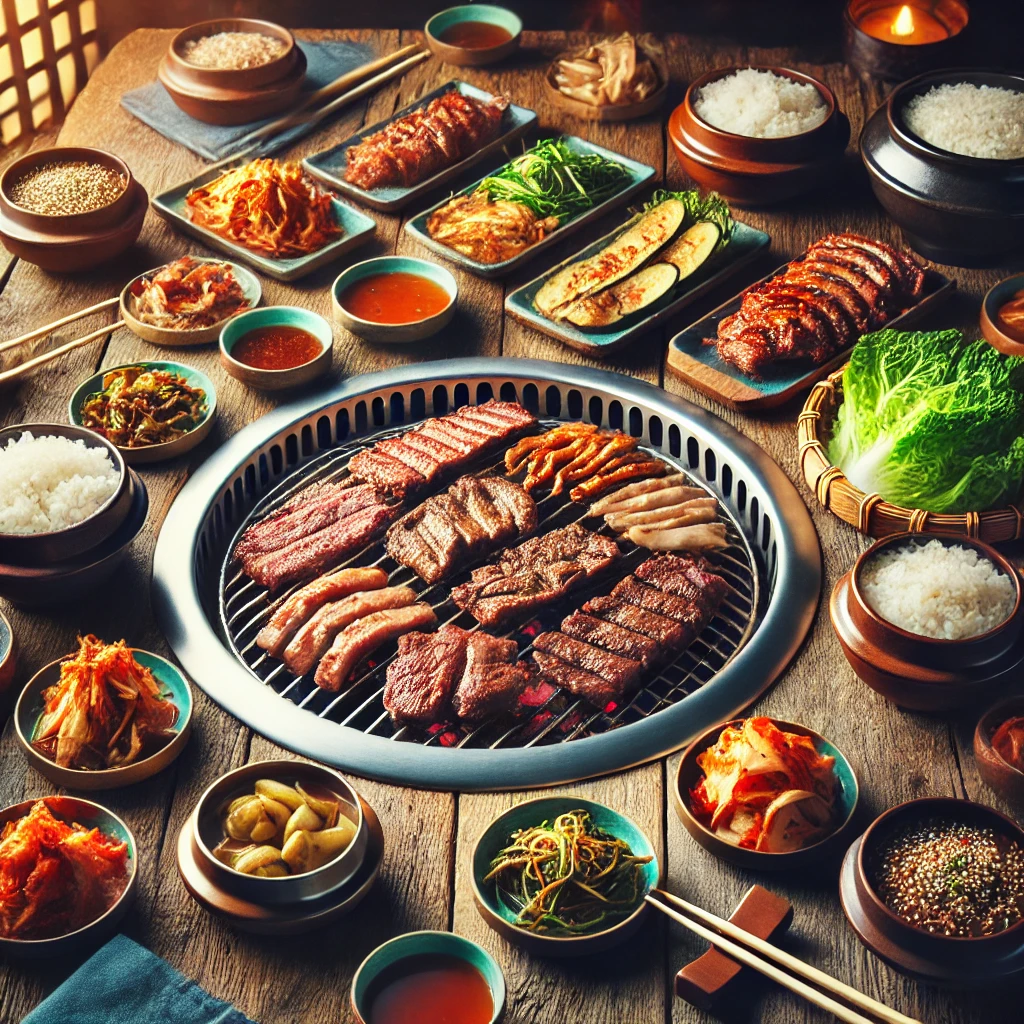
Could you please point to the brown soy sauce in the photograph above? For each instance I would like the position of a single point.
(475, 35)
(429, 988)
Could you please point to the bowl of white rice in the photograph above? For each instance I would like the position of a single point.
(63, 491)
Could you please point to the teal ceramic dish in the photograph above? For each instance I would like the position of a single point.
(745, 245)
(330, 165)
(268, 316)
(415, 330)
(8, 661)
(501, 917)
(639, 175)
(473, 56)
(154, 452)
(425, 943)
(29, 708)
(89, 815)
(833, 844)
(356, 229)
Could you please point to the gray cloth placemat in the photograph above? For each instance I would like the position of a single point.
(153, 105)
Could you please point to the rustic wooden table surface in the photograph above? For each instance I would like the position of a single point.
(897, 755)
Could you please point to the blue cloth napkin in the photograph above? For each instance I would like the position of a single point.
(152, 104)
(126, 984)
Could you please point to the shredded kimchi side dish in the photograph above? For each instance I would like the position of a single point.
(54, 877)
(106, 711)
(765, 789)
(266, 206)
(188, 295)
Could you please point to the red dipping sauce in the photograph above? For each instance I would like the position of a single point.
(430, 988)
(475, 35)
(394, 298)
(276, 347)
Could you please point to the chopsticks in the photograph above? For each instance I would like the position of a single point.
(741, 946)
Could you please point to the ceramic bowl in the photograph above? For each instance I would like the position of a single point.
(501, 917)
(266, 316)
(71, 242)
(956, 962)
(690, 773)
(997, 772)
(991, 326)
(207, 832)
(64, 582)
(30, 707)
(387, 334)
(170, 338)
(919, 672)
(154, 452)
(229, 96)
(751, 171)
(39, 550)
(473, 56)
(90, 815)
(8, 660)
(953, 209)
(415, 944)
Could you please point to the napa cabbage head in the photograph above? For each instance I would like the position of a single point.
(930, 420)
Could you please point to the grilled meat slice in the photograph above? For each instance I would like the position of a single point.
(465, 442)
(870, 294)
(622, 673)
(360, 639)
(495, 519)
(668, 633)
(428, 466)
(688, 578)
(513, 499)
(421, 680)
(426, 541)
(511, 411)
(592, 687)
(644, 596)
(494, 420)
(858, 312)
(867, 263)
(449, 458)
(909, 273)
(612, 637)
(492, 682)
(386, 472)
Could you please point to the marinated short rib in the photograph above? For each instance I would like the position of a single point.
(311, 642)
(422, 678)
(592, 687)
(360, 639)
(386, 472)
(300, 606)
(623, 674)
(614, 638)
(492, 681)
(668, 634)
(534, 574)
(684, 577)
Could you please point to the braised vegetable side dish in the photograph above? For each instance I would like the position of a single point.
(56, 878)
(106, 711)
(266, 206)
(139, 407)
(188, 294)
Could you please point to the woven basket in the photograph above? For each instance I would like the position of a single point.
(868, 512)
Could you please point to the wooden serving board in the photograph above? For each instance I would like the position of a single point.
(701, 366)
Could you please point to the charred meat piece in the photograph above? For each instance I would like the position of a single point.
(644, 596)
(621, 673)
(492, 681)
(513, 500)
(685, 577)
(669, 634)
(614, 638)
(386, 472)
(592, 687)
(495, 519)
(421, 680)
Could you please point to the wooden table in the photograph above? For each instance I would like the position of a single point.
(898, 755)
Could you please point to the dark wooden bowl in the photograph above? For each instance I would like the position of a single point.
(71, 242)
(998, 773)
(751, 171)
(960, 210)
(940, 959)
(228, 96)
(920, 672)
(994, 334)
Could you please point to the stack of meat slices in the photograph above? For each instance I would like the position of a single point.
(403, 465)
(474, 516)
(319, 527)
(601, 652)
(842, 287)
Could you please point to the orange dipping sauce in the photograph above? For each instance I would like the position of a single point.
(430, 988)
(276, 347)
(398, 298)
(475, 35)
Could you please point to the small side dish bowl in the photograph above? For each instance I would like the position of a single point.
(208, 831)
(847, 798)
(499, 916)
(168, 449)
(8, 660)
(920, 672)
(29, 708)
(427, 943)
(473, 56)
(403, 333)
(75, 810)
(276, 316)
(992, 328)
(1006, 779)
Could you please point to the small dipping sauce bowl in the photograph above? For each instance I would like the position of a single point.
(8, 661)
(920, 672)
(1006, 779)
(292, 319)
(996, 333)
(402, 332)
(473, 34)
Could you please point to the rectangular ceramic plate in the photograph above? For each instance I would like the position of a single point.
(744, 245)
(639, 175)
(700, 365)
(329, 166)
(356, 227)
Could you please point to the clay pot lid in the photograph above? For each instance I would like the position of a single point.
(206, 80)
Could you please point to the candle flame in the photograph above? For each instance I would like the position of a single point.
(903, 24)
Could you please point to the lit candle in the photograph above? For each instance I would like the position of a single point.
(903, 24)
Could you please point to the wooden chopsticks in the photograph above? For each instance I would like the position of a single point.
(744, 947)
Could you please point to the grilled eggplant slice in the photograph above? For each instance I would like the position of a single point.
(692, 248)
(637, 291)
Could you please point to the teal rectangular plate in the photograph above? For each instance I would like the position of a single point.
(745, 244)
(329, 165)
(357, 228)
(639, 175)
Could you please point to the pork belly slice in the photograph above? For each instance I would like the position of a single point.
(422, 678)
(301, 605)
(386, 472)
(492, 681)
(613, 637)
(588, 685)
(667, 633)
(428, 466)
(313, 639)
(364, 636)
(622, 673)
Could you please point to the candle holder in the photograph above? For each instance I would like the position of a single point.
(896, 41)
